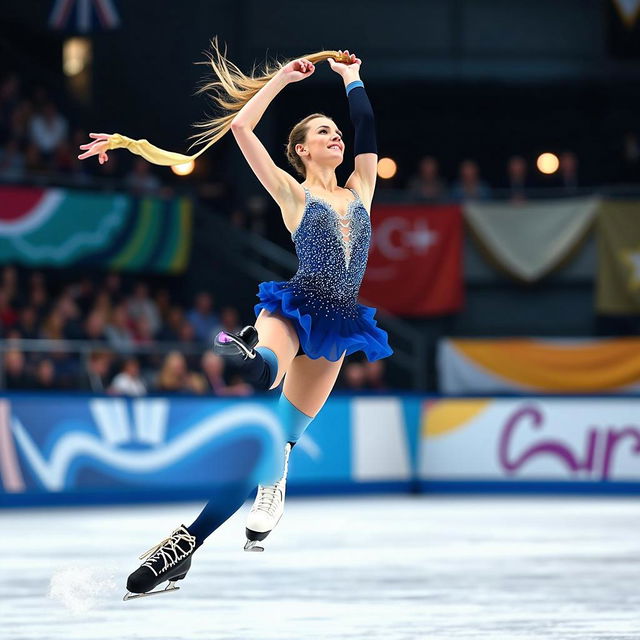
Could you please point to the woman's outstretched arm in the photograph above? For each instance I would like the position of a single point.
(363, 178)
(283, 187)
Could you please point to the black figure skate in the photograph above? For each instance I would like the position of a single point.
(237, 344)
(168, 560)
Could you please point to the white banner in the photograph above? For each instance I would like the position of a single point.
(548, 439)
(528, 240)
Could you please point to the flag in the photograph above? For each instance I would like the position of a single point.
(415, 263)
(84, 15)
(618, 280)
(529, 240)
(62, 227)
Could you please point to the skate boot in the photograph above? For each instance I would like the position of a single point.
(168, 560)
(237, 344)
(267, 509)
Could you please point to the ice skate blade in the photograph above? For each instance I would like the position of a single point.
(252, 545)
(133, 596)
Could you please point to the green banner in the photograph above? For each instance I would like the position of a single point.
(62, 227)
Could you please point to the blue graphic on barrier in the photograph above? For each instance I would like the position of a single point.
(81, 449)
(76, 444)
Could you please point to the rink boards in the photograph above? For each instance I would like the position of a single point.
(83, 449)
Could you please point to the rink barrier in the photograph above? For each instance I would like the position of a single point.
(91, 450)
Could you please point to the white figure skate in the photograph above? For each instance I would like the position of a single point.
(267, 509)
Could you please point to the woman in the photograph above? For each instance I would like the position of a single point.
(307, 325)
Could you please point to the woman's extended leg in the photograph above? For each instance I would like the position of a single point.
(278, 336)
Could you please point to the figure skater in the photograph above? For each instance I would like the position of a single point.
(306, 326)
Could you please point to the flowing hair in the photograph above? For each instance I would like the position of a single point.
(230, 92)
(233, 89)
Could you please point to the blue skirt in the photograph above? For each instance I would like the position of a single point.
(320, 336)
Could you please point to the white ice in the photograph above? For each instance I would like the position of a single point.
(393, 568)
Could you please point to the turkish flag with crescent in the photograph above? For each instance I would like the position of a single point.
(415, 262)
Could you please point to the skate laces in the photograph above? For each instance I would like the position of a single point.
(269, 498)
(169, 551)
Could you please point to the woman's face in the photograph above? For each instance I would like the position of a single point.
(323, 144)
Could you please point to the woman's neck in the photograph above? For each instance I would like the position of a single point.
(323, 179)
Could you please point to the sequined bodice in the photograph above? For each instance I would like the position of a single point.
(332, 251)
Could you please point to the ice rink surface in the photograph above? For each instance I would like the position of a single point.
(394, 568)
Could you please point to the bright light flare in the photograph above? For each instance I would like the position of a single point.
(387, 168)
(547, 163)
(183, 169)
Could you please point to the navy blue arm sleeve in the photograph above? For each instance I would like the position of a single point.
(363, 122)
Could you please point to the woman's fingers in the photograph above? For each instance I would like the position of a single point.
(100, 136)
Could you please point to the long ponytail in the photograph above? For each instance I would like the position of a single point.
(230, 92)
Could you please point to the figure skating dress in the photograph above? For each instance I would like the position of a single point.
(321, 298)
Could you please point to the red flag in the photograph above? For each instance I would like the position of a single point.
(415, 262)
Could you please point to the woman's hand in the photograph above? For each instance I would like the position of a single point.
(351, 70)
(297, 70)
(97, 147)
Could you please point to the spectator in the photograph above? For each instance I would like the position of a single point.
(95, 377)
(12, 162)
(174, 377)
(113, 286)
(469, 185)
(163, 304)
(53, 327)
(569, 171)
(202, 318)
(39, 298)
(140, 304)
(69, 310)
(8, 315)
(10, 282)
(15, 375)
(354, 376)
(517, 178)
(229, 320)
(118, 331)
(140, 180)
(374, 375)
(28, 323)
(142, 332)
(427, 183)
(45, 378)
(213, 367)
(47, 130)
(9, 100)
(170, 332)
(128, 382)
(94, 327)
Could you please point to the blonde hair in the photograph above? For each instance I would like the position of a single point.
(233, 89)
(230, 92)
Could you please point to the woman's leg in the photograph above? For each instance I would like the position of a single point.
(309, 383)
(278, 335)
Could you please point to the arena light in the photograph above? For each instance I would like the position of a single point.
(387, 168)
(547, 163)
(76, 56)
(183, 169)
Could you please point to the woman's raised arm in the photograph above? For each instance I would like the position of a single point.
(283, 187)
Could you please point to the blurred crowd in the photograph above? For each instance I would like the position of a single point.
(112, 336)
(521, 179)
(39, 142)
